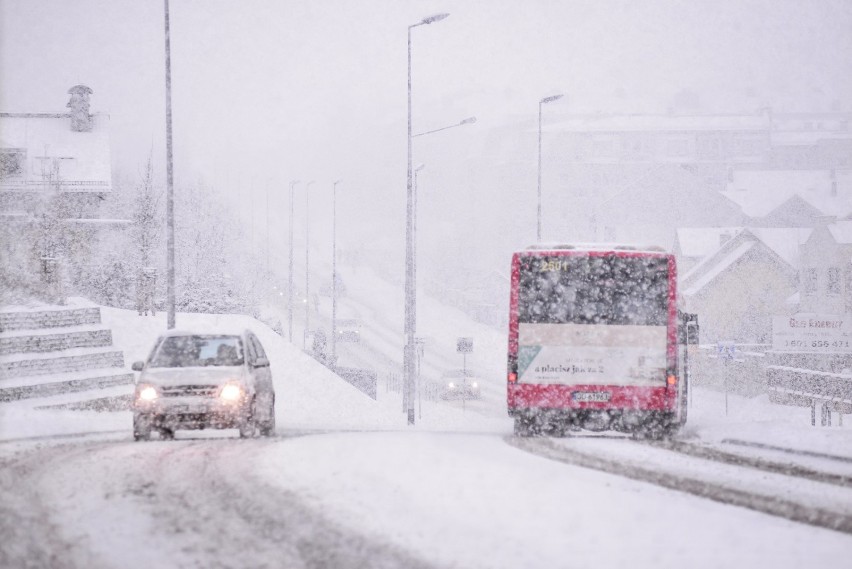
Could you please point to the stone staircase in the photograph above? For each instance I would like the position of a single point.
(49, 352)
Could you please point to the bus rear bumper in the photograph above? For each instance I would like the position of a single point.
(557, 408)
(559, 421)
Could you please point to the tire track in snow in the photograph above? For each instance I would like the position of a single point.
(772, 505)
(717, 455)
(184, 503)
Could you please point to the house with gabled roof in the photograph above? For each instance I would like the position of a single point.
(739, 287)
(825, 284)
(692, 244)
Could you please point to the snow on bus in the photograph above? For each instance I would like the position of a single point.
(593, 334)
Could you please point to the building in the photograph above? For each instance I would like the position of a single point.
(825, 277)
(748, 279)
(55, 172)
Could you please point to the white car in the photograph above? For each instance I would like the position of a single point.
(196, 380)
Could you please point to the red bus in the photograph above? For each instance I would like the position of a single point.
(593, 340)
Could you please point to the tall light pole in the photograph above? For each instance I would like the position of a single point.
(416, 170)
(334, 273)
(170, 188)
(267, 229)
(540, 103)
(410, 311)
(307, 264)
(290, 271)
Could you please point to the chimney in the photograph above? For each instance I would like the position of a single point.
(81, 120)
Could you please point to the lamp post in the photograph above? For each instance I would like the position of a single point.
(468, 120)
(267, 229)
(416, 170)
(540, 103)
(334, 273)
(410, 311)
(307, 264)
(170, 189)
(290, 271)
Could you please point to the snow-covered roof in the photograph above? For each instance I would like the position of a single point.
(841, 231)
(718, 268)
(805, 138)
(83, 157)
(642, 123)
(594, 247)
(759, 192)
(783, 242)
(701, 241)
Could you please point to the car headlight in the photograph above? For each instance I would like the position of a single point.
(231, 392)
(147, 393)
(474, 384)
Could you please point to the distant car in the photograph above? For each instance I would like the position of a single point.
(197, 380)
(349, 331)
(460, 384)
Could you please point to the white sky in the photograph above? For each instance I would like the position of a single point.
(265, 91)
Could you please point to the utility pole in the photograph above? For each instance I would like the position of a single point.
(290, 271)
(307, 265)
(170, 189)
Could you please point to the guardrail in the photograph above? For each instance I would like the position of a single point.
(811, 388)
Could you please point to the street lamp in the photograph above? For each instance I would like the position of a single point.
(170, 188)
(416, 170)
(267, 229)
(468, 120)
(410, 311)
(540, 103)
(307, 265)
(290, 272)
(334, 273)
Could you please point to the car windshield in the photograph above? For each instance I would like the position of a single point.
(198, 351)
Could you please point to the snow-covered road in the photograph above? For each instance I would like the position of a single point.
(362, 499)
(191, 503)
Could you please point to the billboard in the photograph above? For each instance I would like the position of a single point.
(815, 333)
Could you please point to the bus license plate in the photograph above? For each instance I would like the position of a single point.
(591, 396)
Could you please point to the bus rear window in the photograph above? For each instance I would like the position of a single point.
(593, 290)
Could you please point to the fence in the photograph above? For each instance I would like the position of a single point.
(810, 388)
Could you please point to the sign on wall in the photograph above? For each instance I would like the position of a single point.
(821, 333)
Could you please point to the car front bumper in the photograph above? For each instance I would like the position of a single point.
(192, 413)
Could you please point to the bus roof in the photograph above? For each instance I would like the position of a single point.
(615, 247)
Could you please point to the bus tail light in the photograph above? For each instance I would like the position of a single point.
(671, 379)
(513, 377)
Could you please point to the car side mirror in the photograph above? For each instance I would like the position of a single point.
(261, 362)
(137, 366)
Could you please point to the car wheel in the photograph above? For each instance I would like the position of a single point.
(267, 428)
(247, 425)
(167, 434)
(141, 428)
(524, 427)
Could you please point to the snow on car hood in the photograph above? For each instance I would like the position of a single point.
(191, 375)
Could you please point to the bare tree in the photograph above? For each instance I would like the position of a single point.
(146, 235)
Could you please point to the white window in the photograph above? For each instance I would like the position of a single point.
(833, 286)
(811, 281)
